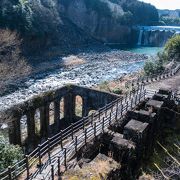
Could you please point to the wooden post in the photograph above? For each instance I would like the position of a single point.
(99, 114)
(103, 125)
(85, 134)
(39, 154)
(27, 166)
(116, 114)
(95, 129)
(127, 106)
(126, 97)
(9, 173)
(92, 118)
(122, 110)
(139, 97)
(111, 107)
(83, 123)
(130, 95)
(76, 144)
(106, 110)
(131, 103)
(110, 119)
(72, 131)
(135, 99)
(52, 171)
(49, 152)
(61, 136)
(144, 94)
(65, 156)
(59, 166)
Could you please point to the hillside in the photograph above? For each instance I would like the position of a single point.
(170, 17)
(68, 23)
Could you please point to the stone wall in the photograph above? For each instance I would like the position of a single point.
(91, 100)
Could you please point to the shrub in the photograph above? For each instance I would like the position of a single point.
(117, 91)
(149, 68)
(172, 48)
(9, 153)
(155, 67)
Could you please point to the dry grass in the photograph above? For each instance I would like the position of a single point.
(72, 60)
(12, 65)
(97, 169)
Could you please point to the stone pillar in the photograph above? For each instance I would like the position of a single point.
(15, 132)
(57, 115)
(44, 118)
(85, 108)
(69, 108)
(31, 128)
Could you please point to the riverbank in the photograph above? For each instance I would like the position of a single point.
(92, 69)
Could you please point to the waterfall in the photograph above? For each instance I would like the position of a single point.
(140, 37)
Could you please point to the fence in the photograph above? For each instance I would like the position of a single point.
(153, 78)
(45, 162)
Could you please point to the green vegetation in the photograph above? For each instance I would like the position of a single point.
(172, 48)
(153, 67)
(9, 154)
(170, 21)
(117, 91)
(171, 52)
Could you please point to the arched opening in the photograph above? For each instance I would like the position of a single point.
(62, 108)
(78, 106)
(51, 114)
(37, 122)
(23, 129)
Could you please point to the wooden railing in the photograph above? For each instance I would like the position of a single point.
(47, 158)
(153, 78)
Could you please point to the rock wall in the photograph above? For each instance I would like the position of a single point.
(103, 27)
(156, 38)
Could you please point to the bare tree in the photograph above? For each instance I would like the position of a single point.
(12, 65)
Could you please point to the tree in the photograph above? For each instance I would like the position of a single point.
(9, 153)
(12, 65)
(172, 48)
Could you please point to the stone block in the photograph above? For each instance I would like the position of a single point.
(155, 104)
(135, 130)
(132, 115)
(160, 97)
(138, 132)
(122, 149)
(165, 92)
(146, 116)
(120, 143)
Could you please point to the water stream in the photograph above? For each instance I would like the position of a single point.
(91, 73)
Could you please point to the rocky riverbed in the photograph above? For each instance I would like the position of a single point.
(85, 68)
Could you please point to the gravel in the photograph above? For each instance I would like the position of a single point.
(98, 67)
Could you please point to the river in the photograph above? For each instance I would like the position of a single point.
(97, 68)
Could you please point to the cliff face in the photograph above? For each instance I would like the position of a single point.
(109, 21)
(70, 23)
(104, 24)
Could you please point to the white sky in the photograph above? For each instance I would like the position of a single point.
(165, 4)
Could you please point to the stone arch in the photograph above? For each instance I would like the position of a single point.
(23, 129)
(78, 106)
(37, 121)
(61, 105)
(51, 113)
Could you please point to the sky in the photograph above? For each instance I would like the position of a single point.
(165, 4)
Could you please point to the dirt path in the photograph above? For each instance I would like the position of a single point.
(170, 83)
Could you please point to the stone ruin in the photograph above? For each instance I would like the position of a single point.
(25, 119)
(130, 140)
